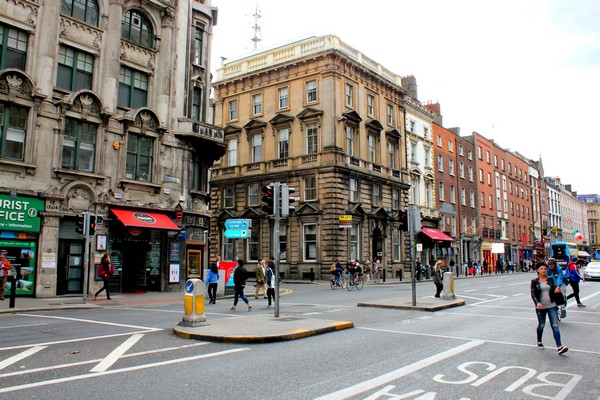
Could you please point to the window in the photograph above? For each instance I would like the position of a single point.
(200, 172)
(79, 145)
(257, 104)
(489, 178)
(283, 228)
(376, 194)
(233, 110)
(487, 156)
(460, 150)
(228, 249)
(310, 188)
(482, 199)
(75, 69)
(283, 140)
(463, 225)
(353, 190)
(312, 139)
(254, 245)
(470, 169)
(392, 155)
(310, 242)
(480, 175)
(440, 163)
(427, 157)
(502, 164)
(253, 194)
(429, 194)
(470, 154)
(349, 94)
(439, 141)
(283, 97)
(257, 148)
(197, 50)
(83, 10)
(451, 167)
(140, 152)
(452, 194)
(479, 153)
(228, 197)
(390, 114)
(463, 196)
(232, 146)
(371, 145)
(311, 91)
(415, 189)
(397, 238)
(349, 141)
(395, 199)
(450, 146)
(413, 151)
(426, 133)
(136, 28)
(453, 226)
(472, 199)
(490, 201)
(461, 169)
(495, 161)
(13, 48)
(411, 126)
(355, 242)
(370, 105)
(13, 131)
(197, 103)
(441, 195)
(133, 88)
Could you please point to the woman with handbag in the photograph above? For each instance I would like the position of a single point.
(105, 271)
(546, 303)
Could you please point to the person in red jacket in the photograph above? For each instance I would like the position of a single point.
(4, 268)
(105, 271)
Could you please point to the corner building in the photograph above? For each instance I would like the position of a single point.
(97, 115)
(328, 121)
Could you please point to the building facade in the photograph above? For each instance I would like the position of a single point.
(98, 117)
(323, 118)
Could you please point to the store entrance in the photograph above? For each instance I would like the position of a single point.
(70, 267)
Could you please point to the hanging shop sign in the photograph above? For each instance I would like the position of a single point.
(345, 221)
(20, 213)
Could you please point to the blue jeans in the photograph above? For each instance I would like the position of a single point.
(553, 317)
(239, 292)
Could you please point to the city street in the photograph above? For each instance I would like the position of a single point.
(483, 350)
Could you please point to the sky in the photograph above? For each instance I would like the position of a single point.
(525, 73)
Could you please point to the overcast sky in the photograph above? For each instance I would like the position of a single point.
(525, 73)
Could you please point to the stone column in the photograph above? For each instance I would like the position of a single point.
(111, 54)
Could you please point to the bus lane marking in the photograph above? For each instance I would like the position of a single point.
(114, 355)
(18, 357)
(400, 372)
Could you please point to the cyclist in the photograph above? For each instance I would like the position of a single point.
(557, 273)
(339, 270)
(357, 271)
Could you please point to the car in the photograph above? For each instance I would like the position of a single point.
(592, 271)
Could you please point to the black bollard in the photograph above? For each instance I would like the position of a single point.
(13, 291)
(312, 275)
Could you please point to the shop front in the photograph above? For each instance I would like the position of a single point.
(19, 232)
(143, 246)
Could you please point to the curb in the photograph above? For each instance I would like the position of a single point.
(454, 303)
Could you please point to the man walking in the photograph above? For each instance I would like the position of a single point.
(261, 279)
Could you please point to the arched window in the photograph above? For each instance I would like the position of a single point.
(83, 10)
(137, 28)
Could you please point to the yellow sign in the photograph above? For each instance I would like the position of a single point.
(345, 221)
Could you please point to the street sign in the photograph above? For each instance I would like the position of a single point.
(237, 224)
(189, 287)
(237, 233)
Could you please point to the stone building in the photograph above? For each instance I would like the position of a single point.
(98, 116)
(328, 121)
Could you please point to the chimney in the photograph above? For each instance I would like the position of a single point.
(409, 83)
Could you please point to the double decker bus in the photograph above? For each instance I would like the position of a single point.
(562, 252)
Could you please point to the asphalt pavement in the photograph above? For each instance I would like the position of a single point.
(252, 328)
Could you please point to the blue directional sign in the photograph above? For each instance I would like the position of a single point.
(189, 287)
(237, 233)
(237, 224)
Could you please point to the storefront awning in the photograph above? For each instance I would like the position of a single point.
(142, 219)
(436, 234)
(583, 254)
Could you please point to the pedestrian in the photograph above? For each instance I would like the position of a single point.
(367, 270)
(212, 281)
(437, 278)
(261, 279)
(240, 275)
(557, 274)
(574, 279)
(546, 300)
(105, 271)
(270, 282)
(418, 268)
(377, 270)
(453, 267)
(4, 268)
(485, 266)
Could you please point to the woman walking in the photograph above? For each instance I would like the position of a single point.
(546, 303)
(105, 271)
(212, 281)
(239, 281)
(437, 278)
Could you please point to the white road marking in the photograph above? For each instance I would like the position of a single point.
(75, 364)
(116, 353)
(493, 287)
(470, 290)
(21, 326)
(518, 294)
(20, 356)
(399, 373)
(119, 371)
(89, 321)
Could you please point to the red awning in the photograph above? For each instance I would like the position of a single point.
(436, 234)
(143, 219)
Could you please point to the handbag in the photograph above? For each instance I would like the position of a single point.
(559, 299)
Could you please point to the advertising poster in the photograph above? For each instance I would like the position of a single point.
(227, 267)
(21, 255)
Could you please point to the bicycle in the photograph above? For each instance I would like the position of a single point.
(355, 281)
(334, 284)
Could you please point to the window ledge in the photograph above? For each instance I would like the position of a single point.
(64, 173)
(18, 166)
(126, 184)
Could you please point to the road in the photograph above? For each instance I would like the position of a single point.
(484, 350)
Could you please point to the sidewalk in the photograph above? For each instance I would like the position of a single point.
(241, 327)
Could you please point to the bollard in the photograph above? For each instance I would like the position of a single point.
(13, 291)
(193, 304)
(312, 275)
(448, 286)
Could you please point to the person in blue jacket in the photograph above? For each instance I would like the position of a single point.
(212, 280)
(574, 279)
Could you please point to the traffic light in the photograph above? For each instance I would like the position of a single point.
(92, 225)
(403, 214)
(287, 201)
(80, 224)
(267, 200)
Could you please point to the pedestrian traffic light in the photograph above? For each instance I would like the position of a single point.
(80, 226)
(92, 225)
(403, 214)
(287, 201)
(267, 200)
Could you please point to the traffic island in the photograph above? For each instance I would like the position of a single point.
(404, 303)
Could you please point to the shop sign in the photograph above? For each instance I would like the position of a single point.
(22, 257)
(345, 221)
(20, 213)
(195, 220)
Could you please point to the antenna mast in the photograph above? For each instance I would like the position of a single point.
(256, 28)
